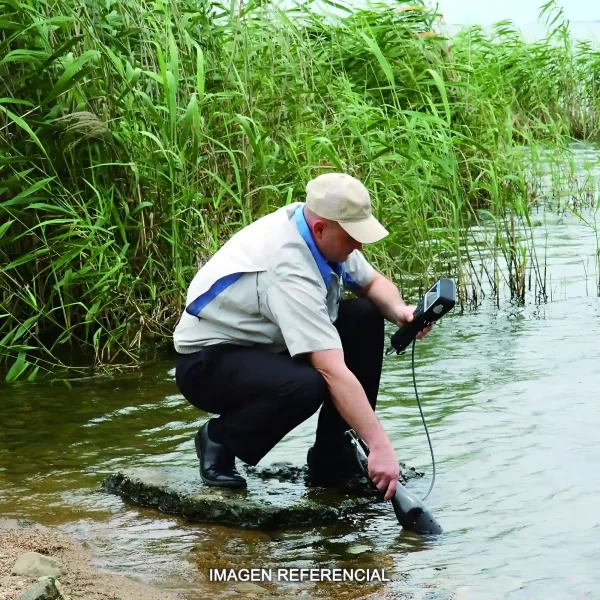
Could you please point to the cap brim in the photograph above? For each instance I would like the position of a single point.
(366, 232)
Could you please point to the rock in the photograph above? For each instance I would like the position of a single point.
(42, 590)
(32, 564)
(276, 497)
(359, 549)
(268, 504)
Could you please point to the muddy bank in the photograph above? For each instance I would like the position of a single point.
(79, 580)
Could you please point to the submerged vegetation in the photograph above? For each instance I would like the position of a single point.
(135, 136)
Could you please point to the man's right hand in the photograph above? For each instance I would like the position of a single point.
(384, 470)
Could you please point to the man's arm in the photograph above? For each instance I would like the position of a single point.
(386, 296)
(350, 400)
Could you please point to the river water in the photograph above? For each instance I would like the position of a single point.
(510, 395)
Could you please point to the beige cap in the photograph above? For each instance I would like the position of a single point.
(344, 199)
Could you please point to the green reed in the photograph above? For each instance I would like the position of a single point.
(136, 136)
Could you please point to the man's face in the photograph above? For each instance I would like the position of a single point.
(333, 242)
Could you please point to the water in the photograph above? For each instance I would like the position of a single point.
(583, 15)
(510, 396)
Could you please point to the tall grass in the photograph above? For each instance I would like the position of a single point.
(135, 136)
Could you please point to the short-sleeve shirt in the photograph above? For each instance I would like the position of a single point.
(269, 286)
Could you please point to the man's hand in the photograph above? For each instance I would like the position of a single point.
(387, 298)
(404, 314)
(384, 470)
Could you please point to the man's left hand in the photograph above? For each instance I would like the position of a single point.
(404, 314)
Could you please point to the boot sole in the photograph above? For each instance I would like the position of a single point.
(230, 484)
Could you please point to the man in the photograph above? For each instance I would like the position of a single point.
(266, 339)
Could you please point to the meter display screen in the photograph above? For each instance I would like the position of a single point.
(431, 296)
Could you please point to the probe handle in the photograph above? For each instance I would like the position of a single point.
(409, 510)
(406, 334)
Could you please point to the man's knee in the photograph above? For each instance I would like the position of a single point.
(366, 309)
(362, 313)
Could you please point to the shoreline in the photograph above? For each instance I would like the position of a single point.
(80, 581)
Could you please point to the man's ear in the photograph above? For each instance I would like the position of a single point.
(318, 228)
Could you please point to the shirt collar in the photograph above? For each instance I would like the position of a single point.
(325, 268)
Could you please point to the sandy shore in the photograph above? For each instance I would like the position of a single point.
(80, 581)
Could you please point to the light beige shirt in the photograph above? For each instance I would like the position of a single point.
(269, 286)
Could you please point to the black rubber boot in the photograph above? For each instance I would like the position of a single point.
(217, 463)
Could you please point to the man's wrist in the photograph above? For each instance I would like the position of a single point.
(379, 442)
(399, 312)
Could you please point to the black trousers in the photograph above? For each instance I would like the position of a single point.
(261, 396)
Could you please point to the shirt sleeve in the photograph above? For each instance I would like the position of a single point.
(358, 273)
(296, 304)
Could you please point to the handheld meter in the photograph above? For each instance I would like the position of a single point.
(410, 511)
(439, 300)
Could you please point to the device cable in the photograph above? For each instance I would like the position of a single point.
(423, 418)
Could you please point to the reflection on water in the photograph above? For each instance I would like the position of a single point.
(510, 397)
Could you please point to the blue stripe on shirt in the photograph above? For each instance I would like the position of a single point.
(325, 268)
(198, 305)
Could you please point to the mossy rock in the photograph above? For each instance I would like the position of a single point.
(278, 496)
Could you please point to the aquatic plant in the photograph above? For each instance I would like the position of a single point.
(136, 136)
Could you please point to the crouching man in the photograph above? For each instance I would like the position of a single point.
(266, 340)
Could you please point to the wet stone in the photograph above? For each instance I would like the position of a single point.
(277, 496)
(33, 564)
(43, 590)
